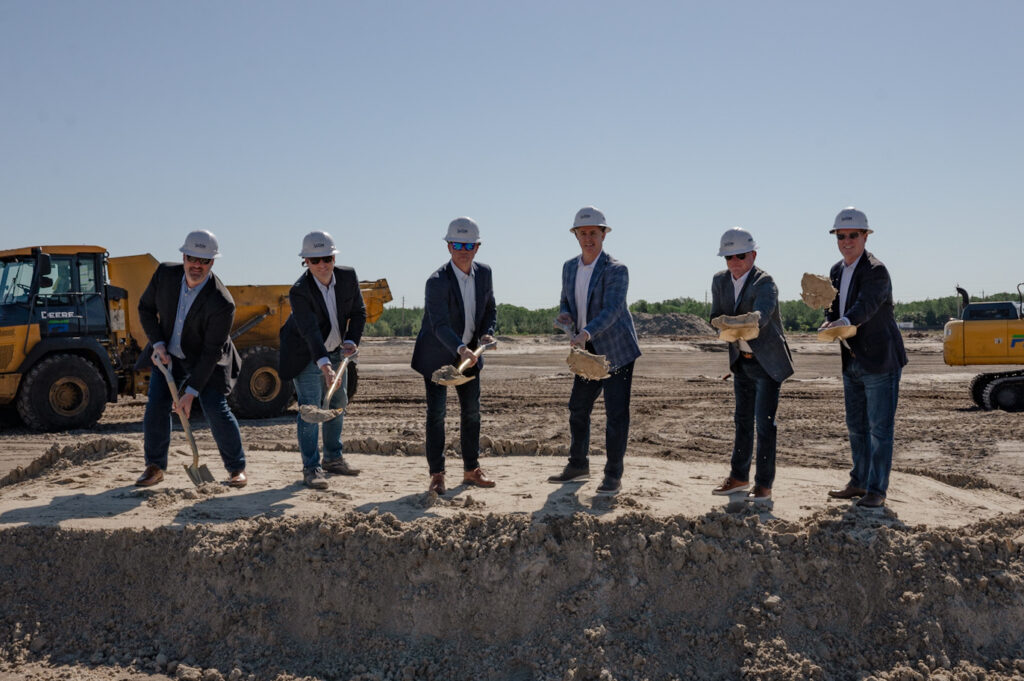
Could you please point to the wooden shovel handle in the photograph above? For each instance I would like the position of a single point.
(464, 364)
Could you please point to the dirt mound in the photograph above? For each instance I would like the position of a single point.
(365, 596)
(58, 456)
(671, 324)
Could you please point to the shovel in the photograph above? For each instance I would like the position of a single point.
(310, 413)
(196, 473)
(449, 375)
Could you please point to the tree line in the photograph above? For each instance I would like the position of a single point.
(513, 320)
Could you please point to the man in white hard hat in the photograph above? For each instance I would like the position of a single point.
(873, 359)
(759, 365)
(187, 314)
(593, 301)
(458, 316)
(326, 322)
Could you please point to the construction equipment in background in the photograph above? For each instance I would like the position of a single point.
(989, 333)
(70, 335)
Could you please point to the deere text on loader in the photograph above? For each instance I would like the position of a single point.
(70, 335)
(989, 333)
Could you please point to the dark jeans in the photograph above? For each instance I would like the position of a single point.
(757, 400)
(156, 424)
(616, 388)
(469, 429)
(871, 421)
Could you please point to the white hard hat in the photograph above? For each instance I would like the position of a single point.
(851, 218)
(463, 230)
(588, 216)
(735, 241)
(201, 244)
(317, 245)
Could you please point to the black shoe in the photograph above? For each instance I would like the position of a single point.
(609, 486)
(571, 474)
(314, 478)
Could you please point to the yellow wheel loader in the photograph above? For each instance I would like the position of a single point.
(70, 335)
(990, 333)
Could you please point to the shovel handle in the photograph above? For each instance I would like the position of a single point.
(337, 379)
(172, 386)
(464, 364)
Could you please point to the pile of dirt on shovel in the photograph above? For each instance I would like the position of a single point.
(363, 597)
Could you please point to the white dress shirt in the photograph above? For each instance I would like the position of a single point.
(584, 273)
(333, 339)
(844, 286)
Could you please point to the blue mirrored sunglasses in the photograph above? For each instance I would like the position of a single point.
(458, 246)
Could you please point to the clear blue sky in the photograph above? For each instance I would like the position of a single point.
(127, 124)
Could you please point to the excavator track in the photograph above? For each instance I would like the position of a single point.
(1003, 390)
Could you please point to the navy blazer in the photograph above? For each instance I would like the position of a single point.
(210, 356)
(759, 294)
(608, 320)
(444, 319)
(309, 324)
(878, 345)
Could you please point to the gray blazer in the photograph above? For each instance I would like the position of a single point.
(759, 294)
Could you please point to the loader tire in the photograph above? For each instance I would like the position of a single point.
(259, 392)
(62, 392)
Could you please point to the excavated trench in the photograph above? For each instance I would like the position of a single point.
(364, 596)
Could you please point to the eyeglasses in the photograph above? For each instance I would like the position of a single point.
(198, 261)
(461, 246)
(317, 261)
(738, 256)
(843, 237)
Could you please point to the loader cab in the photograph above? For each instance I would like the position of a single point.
(57, 289)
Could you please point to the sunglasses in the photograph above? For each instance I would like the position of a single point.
(198, 261)
(461, 246)
(738, 256)
(843, 237)
(317, 261)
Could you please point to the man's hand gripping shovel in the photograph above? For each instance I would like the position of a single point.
(196, 473)
(450, 375)
(310, 413)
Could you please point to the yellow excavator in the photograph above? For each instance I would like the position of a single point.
(70, 335)
(989, 333)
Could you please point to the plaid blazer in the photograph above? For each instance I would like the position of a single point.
(608, 320)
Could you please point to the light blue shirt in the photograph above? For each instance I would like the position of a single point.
(186, 297)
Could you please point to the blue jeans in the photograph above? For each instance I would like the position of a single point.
(310, 389)
(469, 426)
(156, 424)
(617, 389)
(757, 400)
(871, 420)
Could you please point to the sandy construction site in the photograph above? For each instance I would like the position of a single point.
(375, 579)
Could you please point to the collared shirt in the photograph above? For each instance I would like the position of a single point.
(467, 286)
(584, 273)
(737, 288)
(333, 339)
(186, 296)
(844, 286)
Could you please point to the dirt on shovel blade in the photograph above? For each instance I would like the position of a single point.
(446, 373)
(310, 413)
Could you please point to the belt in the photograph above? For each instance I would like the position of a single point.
(747, 355)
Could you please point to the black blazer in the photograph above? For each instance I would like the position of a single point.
(444, 319)
(878, 344)
(309, 325)
(210, 356)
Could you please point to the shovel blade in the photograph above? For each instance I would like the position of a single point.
(458, 380)
(312, 414)
(199, 475)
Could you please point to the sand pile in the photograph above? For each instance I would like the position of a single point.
(671, 324)
(365, 596)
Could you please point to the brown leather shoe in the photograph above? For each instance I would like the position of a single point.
(476, 477)
(760, 495)
(339, 467)
(871, 500)
(731, 486)
(848, 492)
(437, 483)
(150, 476)
(237, 479)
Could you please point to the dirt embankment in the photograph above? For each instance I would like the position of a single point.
(671, 324)
(364, 596)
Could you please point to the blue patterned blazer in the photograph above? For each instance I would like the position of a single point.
(608, 320)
